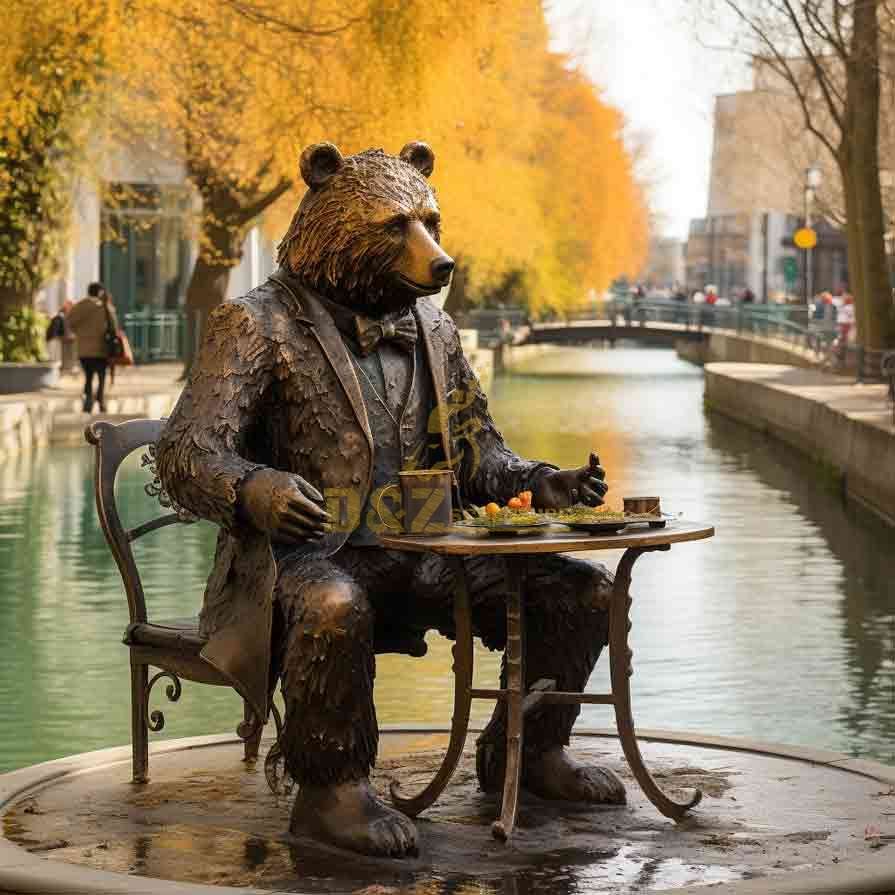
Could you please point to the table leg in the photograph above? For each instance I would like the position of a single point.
(515, 692)
(463, 667)
(620, 672)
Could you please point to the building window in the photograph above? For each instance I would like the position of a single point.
(144, 249)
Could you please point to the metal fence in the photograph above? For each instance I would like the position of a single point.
(789, 323)
(156, 335)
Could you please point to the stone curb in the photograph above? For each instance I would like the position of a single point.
(23, 873)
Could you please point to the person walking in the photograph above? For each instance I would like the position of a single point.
(91, 320)
(845, 321)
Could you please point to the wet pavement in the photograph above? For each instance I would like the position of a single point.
(208, 818)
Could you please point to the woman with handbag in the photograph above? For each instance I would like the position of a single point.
(94, 322)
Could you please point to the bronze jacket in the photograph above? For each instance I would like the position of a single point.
(274, 386)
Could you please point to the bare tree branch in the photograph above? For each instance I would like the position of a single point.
(821, 76)
(782, 66)
(822, 30)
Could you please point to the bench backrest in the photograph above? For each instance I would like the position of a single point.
(113, 444)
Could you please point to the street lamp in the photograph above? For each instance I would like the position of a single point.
(813, 179)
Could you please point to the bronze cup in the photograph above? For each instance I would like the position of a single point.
(425, 499)
(642, 506)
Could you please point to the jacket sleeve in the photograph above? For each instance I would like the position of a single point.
(199, 454)
(485, 467)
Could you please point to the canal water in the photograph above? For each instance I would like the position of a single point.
(781, 628)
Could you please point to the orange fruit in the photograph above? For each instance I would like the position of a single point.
(514, 503)
(492, 509)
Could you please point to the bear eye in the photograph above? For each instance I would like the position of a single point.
(433, 225)
(396, 227)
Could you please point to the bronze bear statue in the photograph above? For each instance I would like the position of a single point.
(308, 396)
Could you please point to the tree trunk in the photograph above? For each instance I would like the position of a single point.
(866, 219)
(854, 241)
(227, 213)
(206, 290)
(222, 238)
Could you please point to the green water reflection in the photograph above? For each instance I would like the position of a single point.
(781, 628)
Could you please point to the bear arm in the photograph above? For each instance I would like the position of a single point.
(199, 454)
(488, 470)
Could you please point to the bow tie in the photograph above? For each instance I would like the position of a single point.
(370, 332)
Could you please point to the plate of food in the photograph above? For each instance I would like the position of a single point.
(603, 520)
(516, 518)
(595, 520)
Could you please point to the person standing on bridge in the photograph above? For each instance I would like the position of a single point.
(708, 310)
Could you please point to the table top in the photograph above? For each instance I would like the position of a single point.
(554, 539)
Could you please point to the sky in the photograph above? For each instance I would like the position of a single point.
(654, 61)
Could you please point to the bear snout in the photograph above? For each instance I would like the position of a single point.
(442, 268)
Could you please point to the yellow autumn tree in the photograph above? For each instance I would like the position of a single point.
(593, 209)
(537, 190)
(535, 184)
(53, 60)
(244, 85)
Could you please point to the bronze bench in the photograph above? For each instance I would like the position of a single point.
(174, 646)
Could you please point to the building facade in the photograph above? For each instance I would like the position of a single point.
(757, 201)
(664, 268)
(134, 229)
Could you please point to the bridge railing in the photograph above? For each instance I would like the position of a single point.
(790, 323)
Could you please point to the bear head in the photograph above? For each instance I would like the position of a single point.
(366, 232)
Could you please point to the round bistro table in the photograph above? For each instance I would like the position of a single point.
(460, 543)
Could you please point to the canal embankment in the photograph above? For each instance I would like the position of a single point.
(846, 428)
(728, 346)
(54, 415)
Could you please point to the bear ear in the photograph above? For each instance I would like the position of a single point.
(318, 163)
(420, 156)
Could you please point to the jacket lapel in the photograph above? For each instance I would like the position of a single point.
(330, 340)
(429, 320)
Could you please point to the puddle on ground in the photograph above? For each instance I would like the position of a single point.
(231, 858)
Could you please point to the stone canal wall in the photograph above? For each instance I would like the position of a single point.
(44, 418)
(844, 427)
(515, 358)
(730, 347)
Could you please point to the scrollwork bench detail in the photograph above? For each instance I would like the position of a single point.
(174, 647)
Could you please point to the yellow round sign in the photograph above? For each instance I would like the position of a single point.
(805, 238)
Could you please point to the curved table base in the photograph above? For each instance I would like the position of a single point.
(517, 696)
(620, 671)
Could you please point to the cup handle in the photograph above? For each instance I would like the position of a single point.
(378, 503)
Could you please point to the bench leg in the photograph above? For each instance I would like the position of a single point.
(139, 722)
(252, 743)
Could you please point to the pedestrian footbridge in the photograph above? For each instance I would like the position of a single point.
(668, 322)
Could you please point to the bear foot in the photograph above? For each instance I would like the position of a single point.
(555, 774)
(350, 815)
